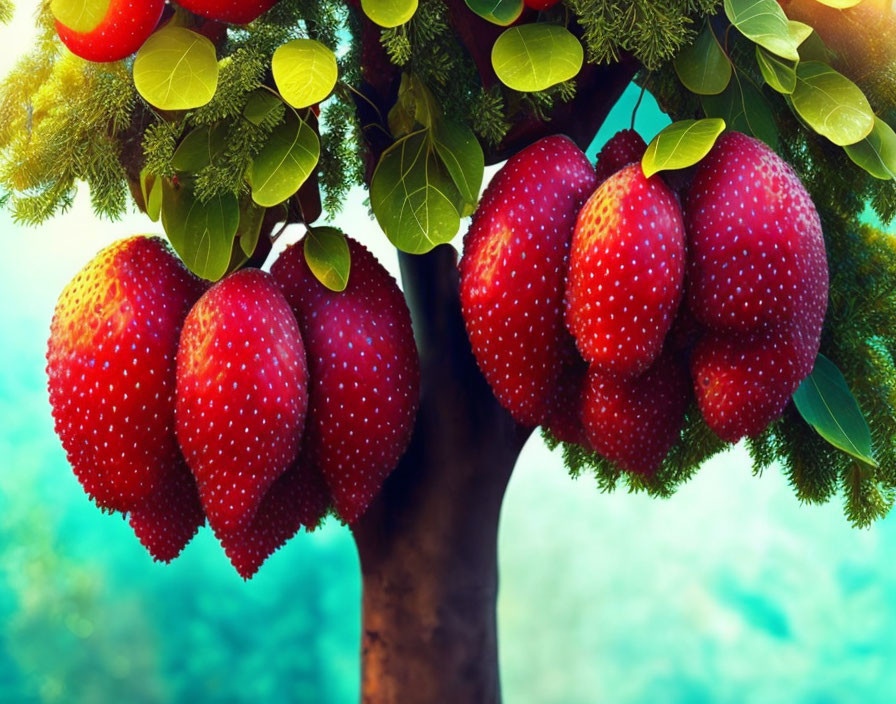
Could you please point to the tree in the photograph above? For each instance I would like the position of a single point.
(467, 84)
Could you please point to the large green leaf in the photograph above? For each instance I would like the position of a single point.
(328, 257)
(414, 197)
(389, 13)
(765, 23)
(704, 67)
(681, 144)
(201, 233)
(831, 104)
(151, 187)
(500, 12)
(536, 56)
(876, 153)
(779, 73)
(263, 106)
(200, 147)
(305, 72)
(176, 69)
(462, 155)
(284, 163)
(826, 403)
(744, 109)
(80, 15)
(249, 230)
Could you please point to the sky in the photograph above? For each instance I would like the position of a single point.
(728, 592)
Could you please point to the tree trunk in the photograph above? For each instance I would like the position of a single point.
(428, 544)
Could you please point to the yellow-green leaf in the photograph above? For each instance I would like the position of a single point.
(284, 163)
(413, 196)
(200, 147)
(827, 404)
(328, 257)
(681, 144)
(176, 69)
(305, 72)
(151, 187)
(263, 106)
(534, 57)
(764, 22)
(500, 12)
(462, 155)
(251, 219)
(744, 108)
(840, 4)
(389, 13)
(779, 73)
(831, 104)
(876, 153)
(80, 15)
(704, 67)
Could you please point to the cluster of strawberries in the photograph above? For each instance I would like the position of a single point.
(259, 403)
(601, 303)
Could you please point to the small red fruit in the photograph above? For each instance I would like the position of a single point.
(242, 392)
(231, 11)
(513, 272)
(626, 272)
(365, 374)
(111, 368)
(634, 422)
(623, 148)
(564, 415)
(540, 4)
(124, 28)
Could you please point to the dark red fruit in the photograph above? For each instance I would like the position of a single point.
(364, 370)
(241, 395)
(513, 272)
(540, 4)
(111, 368)
(231, 11)
(623, 148)
(121, 32)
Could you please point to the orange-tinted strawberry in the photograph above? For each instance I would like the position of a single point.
(623, 148)
(123, 29)
(232, 11)
(364, 370)
(513, 272)
(242, 392)
(626, 272)
(299, 497)
(634, 422)
(111, 368)
(169, 517)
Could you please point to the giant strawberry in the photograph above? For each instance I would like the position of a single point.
(111, 368)
(623, 148)
(626, 271)
(242, 391)
(232, 11)
(112, 35)
(758, 280)
(364, 372)
(634, 422)
(513, 270)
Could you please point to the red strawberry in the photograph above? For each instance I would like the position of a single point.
(242, 392)
(564, 415)
(124, 28)
(232, 11)
(756, 248)
(365, 375)
(513, 272)
(623, 148)
(626, 271)
(634, 422)
(169, 518)
(298, 497)
(111, 368)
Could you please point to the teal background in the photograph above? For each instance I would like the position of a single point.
(729, 592)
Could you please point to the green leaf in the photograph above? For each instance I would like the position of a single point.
(284, 163)
(328, 257)
(200, 148)
(876, 153)
(704, 67)
(80, 15)
(500, 12)
(534, 57)
(151, 187)
(201, 233)
(305, 72)
(744, 108)
(249, 230)
(176, 69)
(779, 73)
(261, 107)
(831, 104)
(462, 156)
(413, 196)
(814, 49)
(681, 144)
(765, 23)
(826, 403)
(389, 13)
